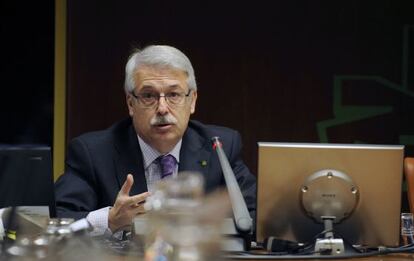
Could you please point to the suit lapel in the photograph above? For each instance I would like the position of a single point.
(195, 153)
(194, 156)
(128, 159)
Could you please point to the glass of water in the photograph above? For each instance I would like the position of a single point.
(180, 229)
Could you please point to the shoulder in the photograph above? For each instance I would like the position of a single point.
(208, 129)
(104, 137)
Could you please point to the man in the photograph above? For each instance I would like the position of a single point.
(109, 173)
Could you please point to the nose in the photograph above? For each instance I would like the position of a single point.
(162, 106)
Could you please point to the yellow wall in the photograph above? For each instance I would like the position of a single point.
(59, 118)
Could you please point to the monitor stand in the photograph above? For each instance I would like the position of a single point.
(329, 245)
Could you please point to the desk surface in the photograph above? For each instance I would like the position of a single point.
(394, 257)
(390, 257)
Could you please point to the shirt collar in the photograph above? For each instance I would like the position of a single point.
(150, 154)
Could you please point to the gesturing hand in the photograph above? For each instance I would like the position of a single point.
(126, 207)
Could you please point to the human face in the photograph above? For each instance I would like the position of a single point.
(161, 126)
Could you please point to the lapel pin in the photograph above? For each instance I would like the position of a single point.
(203, 163)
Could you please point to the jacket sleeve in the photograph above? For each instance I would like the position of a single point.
(75, 190)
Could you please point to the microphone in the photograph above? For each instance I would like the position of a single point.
(242, 218)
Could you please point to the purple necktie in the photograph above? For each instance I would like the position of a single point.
(167, 163)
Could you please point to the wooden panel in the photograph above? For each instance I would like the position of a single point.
(267, 71)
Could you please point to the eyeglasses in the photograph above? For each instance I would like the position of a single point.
(150, 99)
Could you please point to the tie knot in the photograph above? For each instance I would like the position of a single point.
(167, 163)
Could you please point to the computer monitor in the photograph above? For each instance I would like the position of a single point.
(375, 172)
(26, 177)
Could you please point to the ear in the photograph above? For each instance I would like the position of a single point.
(130, 103)
(193, 102)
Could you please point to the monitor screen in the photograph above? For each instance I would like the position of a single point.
(26, 177)
(370, 188)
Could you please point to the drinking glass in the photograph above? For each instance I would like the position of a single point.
(180, 229)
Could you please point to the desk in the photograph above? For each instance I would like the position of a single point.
(393, 257)
(386, 257)
(390, 257)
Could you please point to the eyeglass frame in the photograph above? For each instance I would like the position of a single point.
(157, 101)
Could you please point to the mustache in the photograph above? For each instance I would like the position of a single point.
(163, 119)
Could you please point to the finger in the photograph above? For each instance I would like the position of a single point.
(139, 210)
(137, 199)
(126, 187)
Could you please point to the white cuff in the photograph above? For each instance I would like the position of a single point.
(99, 221)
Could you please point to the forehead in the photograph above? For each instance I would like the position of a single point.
(159, 76)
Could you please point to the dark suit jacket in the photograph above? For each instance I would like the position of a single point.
(97, 164)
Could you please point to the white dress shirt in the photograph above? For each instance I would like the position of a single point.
(99, 218)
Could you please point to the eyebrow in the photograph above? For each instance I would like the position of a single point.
(172, 86)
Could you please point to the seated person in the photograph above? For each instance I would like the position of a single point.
(109, 173)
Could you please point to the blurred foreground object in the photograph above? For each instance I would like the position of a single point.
(61, 239)
(26, 220)
(182, 223)
(407, 229)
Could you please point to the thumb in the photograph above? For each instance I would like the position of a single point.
(126, 187)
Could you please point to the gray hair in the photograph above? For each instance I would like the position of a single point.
(162, 56)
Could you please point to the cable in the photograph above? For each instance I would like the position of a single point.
(264, 256)
(305, 251)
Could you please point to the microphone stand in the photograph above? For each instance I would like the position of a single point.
(242, 224)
